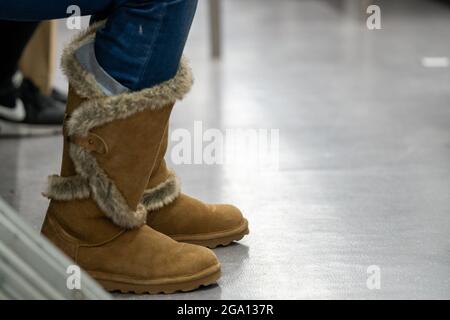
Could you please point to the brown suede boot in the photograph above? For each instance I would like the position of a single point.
(95, 215)
(187, 219)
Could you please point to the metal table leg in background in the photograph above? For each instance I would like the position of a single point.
(215, 28)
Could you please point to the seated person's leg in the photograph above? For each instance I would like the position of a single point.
(32, 10)
(112, 143)
(142, 41)
(23, 108)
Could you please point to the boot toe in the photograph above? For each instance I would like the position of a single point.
(226, 217)
(190, 220)
(197, 258)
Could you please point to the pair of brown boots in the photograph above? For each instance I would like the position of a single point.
(116, 209)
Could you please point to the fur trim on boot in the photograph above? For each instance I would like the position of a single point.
(67, 188)
(163, 194)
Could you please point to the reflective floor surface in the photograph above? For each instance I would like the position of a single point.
(360, 187)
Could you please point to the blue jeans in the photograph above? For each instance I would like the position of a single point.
(140, 45)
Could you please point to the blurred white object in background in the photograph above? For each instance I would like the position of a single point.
(435, 62)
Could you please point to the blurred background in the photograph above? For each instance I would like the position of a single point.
(363, 175)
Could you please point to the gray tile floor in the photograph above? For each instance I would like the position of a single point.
(364, 149)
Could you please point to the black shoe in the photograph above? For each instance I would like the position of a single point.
(59, 96)
(26, 111)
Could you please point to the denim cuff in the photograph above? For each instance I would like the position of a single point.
(86, 57)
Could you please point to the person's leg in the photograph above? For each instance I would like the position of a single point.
(24, 110)
(40, 114)
(111, 144)
(15, 36)
(142, 41)
(140, 45)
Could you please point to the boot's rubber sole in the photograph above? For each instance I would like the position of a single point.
(171, 285)
(213, 240)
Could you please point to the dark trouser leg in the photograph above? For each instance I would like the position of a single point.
(140, 46)
(142, 42)
(15, 36)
